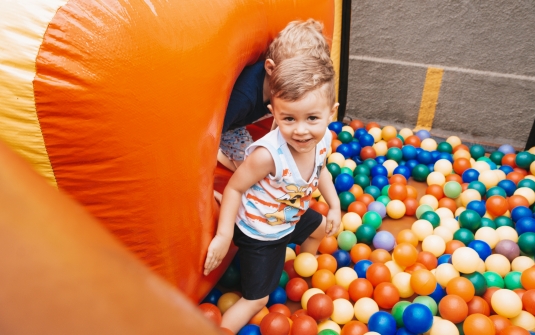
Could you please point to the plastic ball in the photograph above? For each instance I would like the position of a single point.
(396, 209)
(278, 296)
(506, 303)
(342, 258)
(422, 229)
(476, 324)
(274, 324)
(211, 312)
(308, 294)
(512, 280)
(488, 235)
(382, 323)
(498, 263)
(528, 278)
(386, 295)
(361, 267)
(453, 308)
(507, 248)
(354, 328)
(343, 311)
(213, 296)
(423, 282)
(384, 240)
(365, 233)
(522, 263)
(434, 244)
(323, 279)
(344, 276)
(481, 247)
(226, 301)
(526, 242)
(444, 273)
(420, 172)
(417, 318)
(405, 254)
(402, 281)
(346, 240)
(378, 273)
(337, 292)
(452, 189)
(305, 264)
(443, 327)
(364, 308)
(507, 233)
(461, 287)
(252, 329)
(328, 327)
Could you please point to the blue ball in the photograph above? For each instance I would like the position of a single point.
(361, 267)
(278, 296)
(345, 150)
(380, 159)
(342, 258)
(481, 247)
(438, 293)
(418, 150)
(506, 149)
(447, 156)
(525, 224)
(343, 182)
(403, 170)
(417, 318)
(366, 140)
(213, 296)
(292, 246)
(359, 132)
(380, 181)
(470, 175)
(378, 170)
(444, 258)
(431, 167)
(336, 126)
(355, 147)
(478, 206)
(404, 331)
(519, 212)
(357, 159)
(425, 157)
(382, 323)
(409, 152)
(377, 207)
(435, 155)
(508, 186)
(250, 330)
(507, 169)
(411, 164)
(423, 134)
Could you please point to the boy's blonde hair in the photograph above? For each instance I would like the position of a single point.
(299, 38)
(294, 77)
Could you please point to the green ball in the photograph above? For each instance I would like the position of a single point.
(362, 180)
(478, 186)
(372, 218)
(373, 191)
(470, 219)
(420, 172)
(384, 199)
(477, 151)
(452, 189)
(346, 198)
(526, 243)
(362, 169)
(397, 312)
(365, 233)
(346, 170)
(422, 209)
(501, 221)
(327, 332)
(427, 301)
(460, 327)
(401, 138)
(494, 279)
(345, 137)
(496, 190)
(524, 159)
(346, 240)
(496, 157)
(231, 277)
(370, 163)
(394, 154)
(385, 189)
(464, 235)
(444, 147)
(284, 279)
(486, 222)
(529, 183)
(334, 169)
(512, 280)
(431, 217)
(484, 159)
(479, 282)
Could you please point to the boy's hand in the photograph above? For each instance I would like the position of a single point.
(333, 222)
(216, 252)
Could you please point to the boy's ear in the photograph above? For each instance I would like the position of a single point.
(333, 111)
(270, 108)
(269, 65)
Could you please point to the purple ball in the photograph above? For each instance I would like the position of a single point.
(423, 134)
(384, 240)
(506, 149)
(507, 248)
(378, 207)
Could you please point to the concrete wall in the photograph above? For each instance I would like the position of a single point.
(487, 52)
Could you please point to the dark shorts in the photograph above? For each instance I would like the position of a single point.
(262, 262)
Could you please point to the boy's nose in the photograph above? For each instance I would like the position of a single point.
(300, 128)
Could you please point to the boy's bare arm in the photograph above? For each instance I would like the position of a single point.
(255, 168)
(326, 187)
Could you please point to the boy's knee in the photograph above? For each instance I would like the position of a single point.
(259, 303)
(319, 233)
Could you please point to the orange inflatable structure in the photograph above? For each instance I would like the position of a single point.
(120, 105)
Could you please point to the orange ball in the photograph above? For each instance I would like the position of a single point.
(211, 312)
(394, 142)
(397, 191)
(335, 143)
(435, 190)
(453, 245)
(398, 179)
(359, 252)
(356, 124)
(257, 318)
(447, 203)
(372, 125)
(337, 292)
(477, 324)
(323, 279)
(500, 323)
(453, 308)
(415, 267)
(380, 256)
(528, 278)
(515, 176)
(367, 152)
(454, 177)
(509, 159)
(517, 200)
(354, 328)
(275, 324)
(321, 208)
(327, 262)
(360, 288)
(497, 205)
(378, 273)
(280, 308)
(478, 305)
(461, 287)
(460, 147)
(429, 260)
(386, 295)
(328, 245)
(358, 207)
(528, 301)
(407, 235)
(488, 297)
(514, 330)
(411, 205)
(405, 254)
(412, 192)
(413, 140)
(423, 282)
(460, 165)
(356, 190)
(366, 199)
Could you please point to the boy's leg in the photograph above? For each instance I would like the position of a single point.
(241, 312)
(227, 162)
(312, 243)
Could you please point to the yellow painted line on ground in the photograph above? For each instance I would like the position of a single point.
(433, 80)
(336, 45)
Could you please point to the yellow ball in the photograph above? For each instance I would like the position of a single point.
(308, 294)
(429, 144)
(388, 133)
(351, 221)
(522, 263)
(443, 327)
(337, 158)
(498, 263)
(343, 311)
(488, 178)
(527, 193)
(507, 233)
(501, 175)
(344, 276)
(526, 177)
(329, 324)
(380, 147)
(469, 195)
(395, 209)
(364, 308)
(422, 229)
(430, 200)
(443, 166)
(532, 150)
(405, 132)
(402, 281)
(532, 167)
(350, 164)
(444, 233)
(450, 223)
(349, 130)
(394, 267)
(525, 320)
(488, 235)
(434, 244)
(506, 303)
(481, 166)
(376, 134)
(305, 264)
(436, 178)
(390, 166)
(453, 141)
(226, 301)
(444, 273)
(481, 268)
(461, 154)
(290, 254)
(465, 260)
(444, 213)
(460, 208)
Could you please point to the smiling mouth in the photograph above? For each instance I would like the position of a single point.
(303, 141)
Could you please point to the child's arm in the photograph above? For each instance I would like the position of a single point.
(326, 187)
(255, 168)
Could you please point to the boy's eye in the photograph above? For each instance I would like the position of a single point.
(288, 119)
(313, 118)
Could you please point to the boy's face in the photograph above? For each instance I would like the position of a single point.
(303, 123)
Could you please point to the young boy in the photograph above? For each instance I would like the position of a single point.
(265, 204)
(251, 92)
